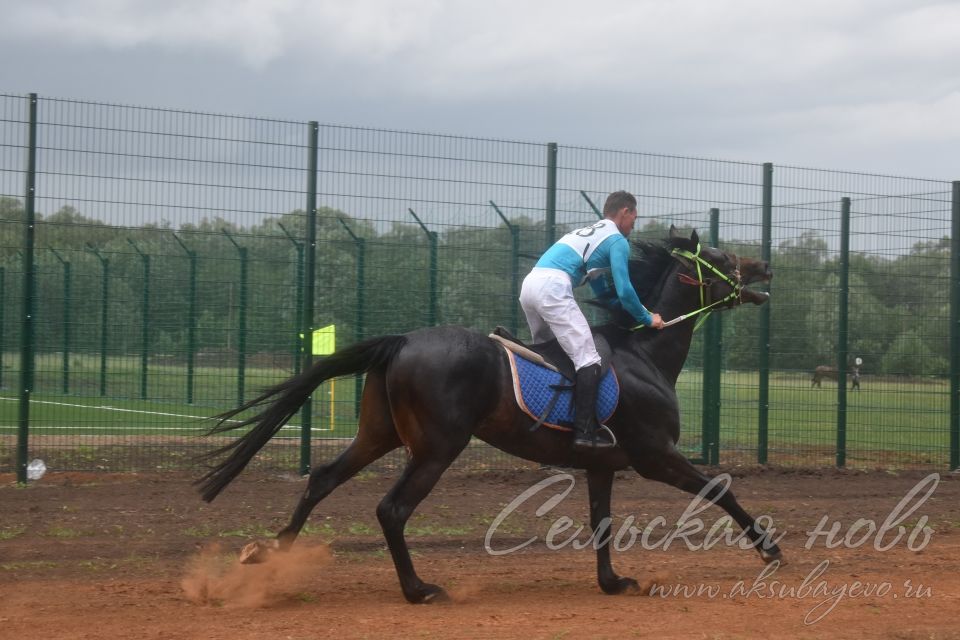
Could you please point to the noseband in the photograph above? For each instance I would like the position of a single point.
(733, 280)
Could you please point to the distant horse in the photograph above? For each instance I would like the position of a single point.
(824, 372)
(433, 389)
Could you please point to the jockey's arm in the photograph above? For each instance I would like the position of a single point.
(619, 261)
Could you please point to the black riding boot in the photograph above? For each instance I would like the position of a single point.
(587, 433)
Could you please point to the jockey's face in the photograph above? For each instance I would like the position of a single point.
(625, 219)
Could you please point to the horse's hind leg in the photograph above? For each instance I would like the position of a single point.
(671, 467)
(376, 436)
(599, 485)
(325, 478)
(416, 482)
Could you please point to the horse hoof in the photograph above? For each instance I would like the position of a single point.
(771, 556)
(621, 586)
(258, 552)
(436, 596)
(428, 594)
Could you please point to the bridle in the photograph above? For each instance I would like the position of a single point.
(733, 280)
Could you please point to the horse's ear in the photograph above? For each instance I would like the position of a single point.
(673, 232)
(694, 238)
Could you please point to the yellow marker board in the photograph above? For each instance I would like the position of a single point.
(323, 344)
(325, 340)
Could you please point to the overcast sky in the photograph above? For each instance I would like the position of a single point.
(867, 85)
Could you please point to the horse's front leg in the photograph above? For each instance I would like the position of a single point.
(670, 466)
(599, 486)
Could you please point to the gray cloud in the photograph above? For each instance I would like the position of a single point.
(872, 84)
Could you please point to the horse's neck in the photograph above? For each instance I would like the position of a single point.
(668, 349)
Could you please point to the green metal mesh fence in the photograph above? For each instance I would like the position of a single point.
(171, 255)
(898, 305)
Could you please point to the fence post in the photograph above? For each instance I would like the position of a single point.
(306, 414)
(3, 304)
(712, 353)
(242, 319)
(764, 346)
(104, 314)
(551, 219)
(843, 333)
(361, 316)
(191, 317)
(514, 270)
(298, 313)
(592, 206)
(432, 238)
(144, 321)
(358, 332)
(67, 302)
(26, 338)
(955, 328)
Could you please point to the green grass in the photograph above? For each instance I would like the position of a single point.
(213, 386)
(905, 415)
(208, 531)
(28, 564)
(9, 533)
(424, 530)
(57, 531)
(325, 531)
(83, 411)
(360, 529)
(892, 415)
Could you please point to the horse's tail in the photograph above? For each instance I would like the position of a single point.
(282, 402)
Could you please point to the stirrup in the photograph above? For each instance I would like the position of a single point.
(613, 438)
(592, 442)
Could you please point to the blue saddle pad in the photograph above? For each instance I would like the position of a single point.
(532, 386)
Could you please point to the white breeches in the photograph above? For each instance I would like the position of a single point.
(552, 312)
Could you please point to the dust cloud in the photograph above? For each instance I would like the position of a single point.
(217, 578)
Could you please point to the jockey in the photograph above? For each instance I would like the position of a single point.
(546, 297)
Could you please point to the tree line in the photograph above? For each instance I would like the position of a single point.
(898, 304)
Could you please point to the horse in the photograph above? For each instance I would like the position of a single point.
(433, 389)
(825, 372)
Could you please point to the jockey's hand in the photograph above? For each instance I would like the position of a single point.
(656, 323)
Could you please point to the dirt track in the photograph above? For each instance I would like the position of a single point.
(97, 556)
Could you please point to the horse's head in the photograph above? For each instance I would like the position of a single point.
(721, 276)
(666, 269)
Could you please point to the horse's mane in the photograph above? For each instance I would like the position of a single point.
(653, 258)
(647, 269)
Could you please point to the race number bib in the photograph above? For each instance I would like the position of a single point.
(586, 240)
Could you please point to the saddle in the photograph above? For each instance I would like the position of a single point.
(543, 378)
(551, 354)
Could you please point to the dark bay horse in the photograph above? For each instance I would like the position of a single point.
(826, 372)
(433, 389)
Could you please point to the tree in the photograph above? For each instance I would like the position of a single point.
(798, 298)
(909, 355)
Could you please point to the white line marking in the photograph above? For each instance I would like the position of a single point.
(127, 428)
(107, 408)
